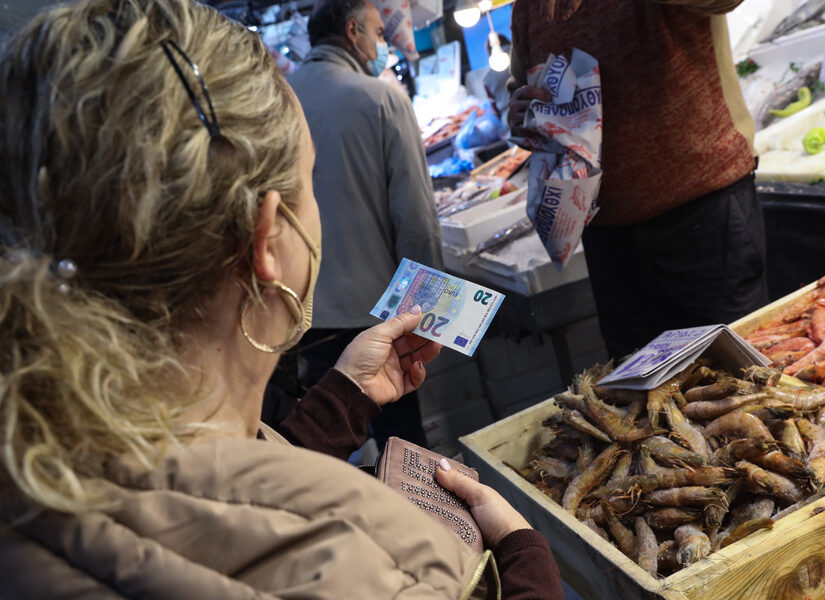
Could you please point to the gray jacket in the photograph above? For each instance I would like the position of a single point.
(371, 183)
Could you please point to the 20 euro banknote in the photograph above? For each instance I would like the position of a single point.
(456, 313)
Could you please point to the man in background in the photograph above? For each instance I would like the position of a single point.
(679, 240)
(375, 195)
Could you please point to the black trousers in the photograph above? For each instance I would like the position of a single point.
(319, 350)
(701, 263)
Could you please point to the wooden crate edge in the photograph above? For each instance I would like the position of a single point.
(747, 324)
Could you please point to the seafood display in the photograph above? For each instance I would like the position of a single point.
(672, 475)
(451, 126)
(794, 340)
(786, 94)
(808, 14)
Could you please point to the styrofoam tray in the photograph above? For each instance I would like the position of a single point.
(779, 146)
(467, 229)
(523, 266)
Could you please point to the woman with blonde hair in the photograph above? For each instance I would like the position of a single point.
(158, 252)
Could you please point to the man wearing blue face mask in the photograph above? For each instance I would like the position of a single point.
(372, 185)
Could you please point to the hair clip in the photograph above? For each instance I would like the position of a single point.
(211, 125)
(65, 270)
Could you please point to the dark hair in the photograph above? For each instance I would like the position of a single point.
(329, 18)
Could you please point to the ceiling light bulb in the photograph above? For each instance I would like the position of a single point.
(467, 17)
(499, 60)
(485, 5)
(466, 13)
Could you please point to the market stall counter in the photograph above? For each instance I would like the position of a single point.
(782, 559)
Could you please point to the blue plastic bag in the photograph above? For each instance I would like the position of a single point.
(480, 130)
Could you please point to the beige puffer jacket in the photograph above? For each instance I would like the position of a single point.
(236, 518)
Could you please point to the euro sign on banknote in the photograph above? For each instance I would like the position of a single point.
(456, 313)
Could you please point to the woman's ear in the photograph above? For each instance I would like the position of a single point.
(264, 260)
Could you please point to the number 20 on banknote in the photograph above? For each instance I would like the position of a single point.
(456, 313)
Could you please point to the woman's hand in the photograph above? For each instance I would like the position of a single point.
(519, 102)
(387, 361)
(494, 515)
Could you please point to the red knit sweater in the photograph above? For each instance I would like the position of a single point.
(675, 123)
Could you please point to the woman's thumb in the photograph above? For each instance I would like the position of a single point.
(457, 483)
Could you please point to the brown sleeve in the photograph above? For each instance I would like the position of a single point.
(518, 47)
(331, 418)
(527, 567)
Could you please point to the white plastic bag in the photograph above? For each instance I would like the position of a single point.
(566, 140)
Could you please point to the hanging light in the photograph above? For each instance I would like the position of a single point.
(499, 59)
(466, 13)
(485, 5)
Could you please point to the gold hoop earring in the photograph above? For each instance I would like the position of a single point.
(295, 306)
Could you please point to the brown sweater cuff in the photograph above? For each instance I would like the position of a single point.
(344, 388)
(519, 540)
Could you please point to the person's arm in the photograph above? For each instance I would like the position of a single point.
(706, 7)
(417, 233)
(527, 568)
(379, 366)
(331, 418)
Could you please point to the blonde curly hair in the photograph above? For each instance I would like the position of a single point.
(105, 162)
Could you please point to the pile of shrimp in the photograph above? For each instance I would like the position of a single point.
(794, 340)
(675, 473)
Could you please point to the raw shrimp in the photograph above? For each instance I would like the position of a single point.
(554, 467)
(591, 477)
(738, 424)
(632, 484)
(586, 454)
(815, 355)
(670, 518)
(577, 421)
(668, 558)
(795, 344)
(720, 389)
(771, 483)
(786, 358)
(681, 477)
(714, 514)
(807, 399)
(624, 537)
(693, 544)
(759, 508)
(707, 410)
(619, 396)
(570, 400)
(682, 427)
(659, 396)
(745, 529)
(671, 452)
(814, 373)
(762, 452)
(761, 376)
(615, 426)
(647, 546)
(816, 330)
(791, 438)
(765, 341)
(701, 375)
(797, 328)
(635, 409)
(816, 457)
(687, 496)
(621, 470)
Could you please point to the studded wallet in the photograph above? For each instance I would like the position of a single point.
(410, 470)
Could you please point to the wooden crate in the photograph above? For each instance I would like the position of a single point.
(786, 563)
(747, 324)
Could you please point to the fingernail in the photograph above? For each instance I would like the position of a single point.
(416, 309)
(419, 364)
(444, 464)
